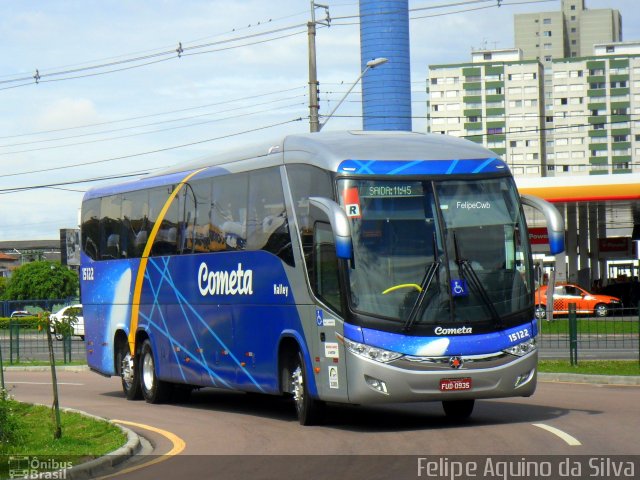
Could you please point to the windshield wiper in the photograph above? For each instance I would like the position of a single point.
(469, 272)
(429, 275)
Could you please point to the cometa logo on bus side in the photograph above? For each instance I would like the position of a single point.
(235, 282)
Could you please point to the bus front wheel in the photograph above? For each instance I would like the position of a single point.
(154, 390)
(458, 409)
(308, 409)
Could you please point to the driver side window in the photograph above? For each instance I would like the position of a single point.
(325, 282)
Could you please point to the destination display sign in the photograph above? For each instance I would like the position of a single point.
(389, 190)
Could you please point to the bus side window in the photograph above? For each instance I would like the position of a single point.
(91, 228)
(307, 181)
(110, 226)
(325, 281)
(135, 223)
(267, 225)
(166, 241)
(229, 210)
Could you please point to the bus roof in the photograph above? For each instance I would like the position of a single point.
(327, 150)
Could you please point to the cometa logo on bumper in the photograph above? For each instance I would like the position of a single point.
(452, 331)
(235, 282)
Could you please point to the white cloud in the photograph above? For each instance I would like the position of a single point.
(66, 113)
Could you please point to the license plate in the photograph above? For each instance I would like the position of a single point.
(455, 384)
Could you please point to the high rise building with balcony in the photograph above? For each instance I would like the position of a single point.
(590, 123)
(570, 32)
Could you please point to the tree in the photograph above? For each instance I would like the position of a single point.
(41, 281)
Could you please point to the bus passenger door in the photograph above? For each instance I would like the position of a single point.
(330, 369)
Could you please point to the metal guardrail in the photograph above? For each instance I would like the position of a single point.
(614, 336)
(23, 343)
(605, 337)
(34, 306)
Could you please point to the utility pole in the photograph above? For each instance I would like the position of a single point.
(314, 122)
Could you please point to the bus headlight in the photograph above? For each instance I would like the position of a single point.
(369, 352)
(523, 348)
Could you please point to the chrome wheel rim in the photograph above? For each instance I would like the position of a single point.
(126, 370)
(297, 384)
(147, 371)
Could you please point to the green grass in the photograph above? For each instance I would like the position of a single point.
(589, 326)
(83, 438)
(591, 367)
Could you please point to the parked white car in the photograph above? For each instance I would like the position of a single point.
(64, 314)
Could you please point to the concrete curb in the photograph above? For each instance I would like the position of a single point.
(105, 464)
(626, 380)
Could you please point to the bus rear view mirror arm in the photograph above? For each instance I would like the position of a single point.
(339, 224)
(555, 222)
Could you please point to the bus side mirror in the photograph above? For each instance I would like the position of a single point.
(339, 224)
(555, 222)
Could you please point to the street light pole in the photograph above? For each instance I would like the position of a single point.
(370, 64)
(314, 123)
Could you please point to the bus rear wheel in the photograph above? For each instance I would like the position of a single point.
(309, 410)
(458, 409)
(128, 373)
(154, 390)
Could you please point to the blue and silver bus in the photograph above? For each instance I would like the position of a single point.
(348, 267)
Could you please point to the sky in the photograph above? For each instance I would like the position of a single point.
(115, 98)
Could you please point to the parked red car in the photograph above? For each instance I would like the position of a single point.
(566, 293)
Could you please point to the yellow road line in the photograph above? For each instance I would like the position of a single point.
(177, 442)
(559, 433)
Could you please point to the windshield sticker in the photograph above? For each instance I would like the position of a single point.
(333, 377)
(459, 288)
(331, 350)
(352, 202)
(474, 205)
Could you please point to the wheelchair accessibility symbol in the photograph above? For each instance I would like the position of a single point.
(459, 288)
(319, 317)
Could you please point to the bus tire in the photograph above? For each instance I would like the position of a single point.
(309, 410)
(458, 409)
(128, 372)
(153, 389)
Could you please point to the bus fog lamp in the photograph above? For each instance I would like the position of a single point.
(371, 353)
(377, 385)
(524, 378)
(523, 348)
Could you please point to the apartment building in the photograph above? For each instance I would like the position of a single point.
(596, 102)
(570, 32)
(581, 116)
(495, 100)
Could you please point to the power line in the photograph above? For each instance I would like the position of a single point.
(38, 77)
(498, 3)
(139, 117)
(51, 147)
(257, 24)
(140, 154)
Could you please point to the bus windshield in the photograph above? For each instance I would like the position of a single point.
(438, 252)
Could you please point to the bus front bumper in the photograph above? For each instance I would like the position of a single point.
(375, 382)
